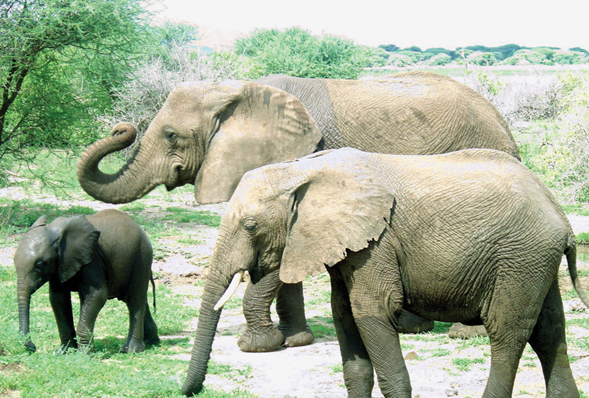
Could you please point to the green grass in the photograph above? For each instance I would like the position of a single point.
(16, 216)
(465, 364)
(180, 215)
(322, 327)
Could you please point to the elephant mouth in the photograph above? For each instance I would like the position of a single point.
(177, 177)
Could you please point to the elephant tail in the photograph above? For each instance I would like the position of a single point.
(571, 255)
(153, 288)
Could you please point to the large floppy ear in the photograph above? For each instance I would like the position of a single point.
(77, 244)
(343, 205)
(259, 125)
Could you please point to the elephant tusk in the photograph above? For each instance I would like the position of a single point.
(237, 279)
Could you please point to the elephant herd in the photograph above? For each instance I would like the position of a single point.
(408, 190)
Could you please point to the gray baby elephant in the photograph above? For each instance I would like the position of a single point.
(471, 236)
(102, 256)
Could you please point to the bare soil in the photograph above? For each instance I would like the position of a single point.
(438, 366)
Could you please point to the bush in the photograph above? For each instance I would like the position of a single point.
(439, 60)
(296, 52)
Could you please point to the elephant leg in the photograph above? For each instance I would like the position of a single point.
(376, 297)
(510, 326)
(290, 306)
(137, 305)
(150, 335)
(411, 323)
(91, 302)
(61, 302)
(549, 341)
(358, 371)
(260, 335)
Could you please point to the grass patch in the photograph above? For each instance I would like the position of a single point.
(322, 327)
(582, 238)
(180, 215)
(338, 368)
(465, 364)
(190, 240)
(16, 216)
(440, 352)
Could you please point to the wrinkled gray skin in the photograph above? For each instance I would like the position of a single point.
(210, 134)
(467, 237)
(102, 256)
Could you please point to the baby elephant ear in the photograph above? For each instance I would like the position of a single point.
(41, 222)
(344, 204)
(78, 243)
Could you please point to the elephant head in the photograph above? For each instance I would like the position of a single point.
(293, 218)
(206, 134)
(53, 252)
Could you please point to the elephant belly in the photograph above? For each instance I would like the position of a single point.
(444, 303)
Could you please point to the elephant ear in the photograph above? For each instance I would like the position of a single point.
(342, 205)
(259, 125)
(76, 246)
(41, 222)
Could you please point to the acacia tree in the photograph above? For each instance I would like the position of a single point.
(59, 63)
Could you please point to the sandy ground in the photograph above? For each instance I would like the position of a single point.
(311, 371)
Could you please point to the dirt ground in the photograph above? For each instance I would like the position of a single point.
(312, 371)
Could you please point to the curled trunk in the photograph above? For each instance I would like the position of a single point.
(131, 182)
(208, 319)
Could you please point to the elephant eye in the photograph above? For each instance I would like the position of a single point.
(39, 265)
(170, 135)
(250, 224)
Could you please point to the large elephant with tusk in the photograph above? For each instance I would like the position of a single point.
(471, 236)
(210, 134)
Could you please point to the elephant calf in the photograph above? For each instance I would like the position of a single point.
(102, 256)
(471, 236)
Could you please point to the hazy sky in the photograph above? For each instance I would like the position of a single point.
(423, 23)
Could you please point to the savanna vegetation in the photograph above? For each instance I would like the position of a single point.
(71, 69)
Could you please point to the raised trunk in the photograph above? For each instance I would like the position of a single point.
(134, 180)
(24, 305)
(205, 333)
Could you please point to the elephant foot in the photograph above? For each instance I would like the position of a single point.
(133, 346)
(155, 340)
(411, 323)
(72, 344)
(460, 331)
(269, 339)
(297, 337)
(29, 346)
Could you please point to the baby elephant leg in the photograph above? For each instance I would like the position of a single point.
(150, 335)
(91, 302)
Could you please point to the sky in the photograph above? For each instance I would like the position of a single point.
(423, 23)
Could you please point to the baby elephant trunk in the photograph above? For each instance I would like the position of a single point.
(24, 305)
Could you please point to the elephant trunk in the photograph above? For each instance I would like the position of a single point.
(216, 285)
(131, 182)
(24, 305)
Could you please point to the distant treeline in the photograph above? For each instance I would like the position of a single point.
(509, 54)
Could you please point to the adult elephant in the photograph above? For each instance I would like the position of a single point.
(471, 236)
(210, 134)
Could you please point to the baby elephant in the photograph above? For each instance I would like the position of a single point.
(470, 236)
(102, 256)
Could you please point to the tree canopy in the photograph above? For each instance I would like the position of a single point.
(59, 62)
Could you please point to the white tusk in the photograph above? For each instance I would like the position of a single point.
(237, 279)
